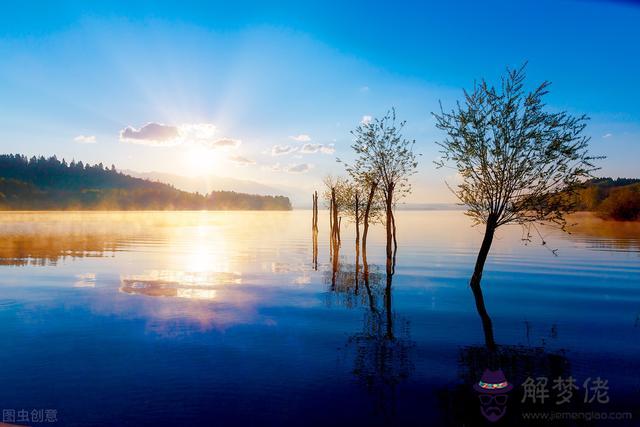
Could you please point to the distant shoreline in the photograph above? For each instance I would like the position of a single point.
(579, 216)
(140, 210)
(409, 207)
(39, 183)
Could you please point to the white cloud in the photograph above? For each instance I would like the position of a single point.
(242, 161)
(279, 150)
(85, 139)
(292, 168)
(299, 168)
(310, 148)
(366, 120)
(204, 134)
(303, 137)
(364, 89)
(328, 149)
(191, 134)
(151, 134)
(607, 135)
(307, 148)
(222, 143)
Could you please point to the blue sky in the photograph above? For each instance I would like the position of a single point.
(270, 92)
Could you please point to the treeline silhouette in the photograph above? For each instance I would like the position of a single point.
(610, 198)
(48, 183)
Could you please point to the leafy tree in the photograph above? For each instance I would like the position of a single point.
(384, 162)
(518, 163)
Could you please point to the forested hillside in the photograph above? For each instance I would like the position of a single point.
(611, 198)
(48, 183)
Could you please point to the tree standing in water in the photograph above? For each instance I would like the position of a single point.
(384, 160)
(519, 164)
(314, 229)
(372, 210)
(334, 188)
(367, 208)
(353, 204)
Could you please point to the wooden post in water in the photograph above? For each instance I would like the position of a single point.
(335, 233)
(357, 205)
(314, 230)
(331, 228)
(315, 211)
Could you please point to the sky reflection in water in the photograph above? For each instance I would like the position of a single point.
(175, 317)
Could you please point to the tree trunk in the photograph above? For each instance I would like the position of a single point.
(357, 221)
(315, 230)
(357, 240)
(313, 212)
(335, 215)
(357, 228)
(315, 251)
(314, 221)
(487, 325)
(365, 229)
(335, 266)
(393, 226)
(331, 228)
(389, 215)
(387, 303)
(395, 241)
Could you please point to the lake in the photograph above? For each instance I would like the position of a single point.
(223, 318)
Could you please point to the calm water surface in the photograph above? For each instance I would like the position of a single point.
(221, 318)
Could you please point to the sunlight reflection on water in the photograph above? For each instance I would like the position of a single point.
(240, 288)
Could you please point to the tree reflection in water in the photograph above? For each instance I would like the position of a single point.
(460, 405)
(40, 247)
(382, 349)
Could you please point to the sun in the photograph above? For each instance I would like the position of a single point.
(200, 161)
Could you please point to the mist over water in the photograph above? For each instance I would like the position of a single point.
(136, 318)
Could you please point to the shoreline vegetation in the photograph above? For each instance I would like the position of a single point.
(611, 199)
(39, 183)
(49, 184)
